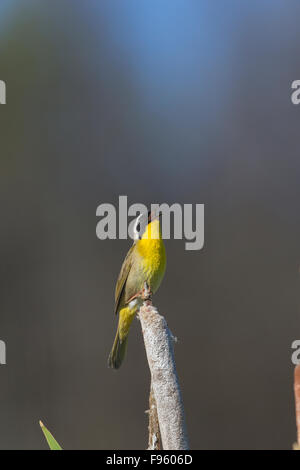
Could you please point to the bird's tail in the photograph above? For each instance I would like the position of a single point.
(118, 351)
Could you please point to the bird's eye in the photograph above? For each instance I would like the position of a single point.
(138, 227)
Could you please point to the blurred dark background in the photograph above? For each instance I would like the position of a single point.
(165, 101)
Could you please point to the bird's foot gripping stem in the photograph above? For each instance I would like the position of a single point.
(146, 294)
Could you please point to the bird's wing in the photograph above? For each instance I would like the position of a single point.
(125, 269)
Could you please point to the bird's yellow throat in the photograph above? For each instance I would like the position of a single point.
(151, 238)
(151, 248)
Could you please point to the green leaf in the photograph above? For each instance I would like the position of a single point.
(53, 444)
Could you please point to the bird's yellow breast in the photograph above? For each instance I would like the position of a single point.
(151, 250)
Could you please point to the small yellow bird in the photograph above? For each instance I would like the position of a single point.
(144, 262)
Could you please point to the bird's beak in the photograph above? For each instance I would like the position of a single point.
(153, 215)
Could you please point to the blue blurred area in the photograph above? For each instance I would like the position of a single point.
(174, 48)
(6, 9)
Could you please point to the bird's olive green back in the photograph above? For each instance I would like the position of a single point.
(125, 269)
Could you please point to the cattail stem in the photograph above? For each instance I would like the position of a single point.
(160, 354)
(154, 442)
(297, 399)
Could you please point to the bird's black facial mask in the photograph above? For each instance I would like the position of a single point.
(140, 225)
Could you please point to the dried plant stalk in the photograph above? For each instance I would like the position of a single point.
(160, 354)
(297, 403)
(154, 442)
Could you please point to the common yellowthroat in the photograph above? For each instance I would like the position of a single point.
(144, 262)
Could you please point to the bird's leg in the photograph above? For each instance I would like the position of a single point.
(135, 296)
(146, 294)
